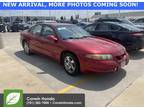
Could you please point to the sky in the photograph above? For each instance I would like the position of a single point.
(56, 13)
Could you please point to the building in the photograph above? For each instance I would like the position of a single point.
(26, 18)
(129, 15)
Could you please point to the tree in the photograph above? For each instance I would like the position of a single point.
(71, 19)
(65, 18)
(61, 18)
(77, 16)
(0, 19)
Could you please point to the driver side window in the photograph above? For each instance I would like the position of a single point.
(36, 30)
(47, 31)
(103, 27)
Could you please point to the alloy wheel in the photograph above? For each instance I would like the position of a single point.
(69, 64)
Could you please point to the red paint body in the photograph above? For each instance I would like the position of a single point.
(80, 47)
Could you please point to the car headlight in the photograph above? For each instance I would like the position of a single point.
(123, 48)
(100, 56)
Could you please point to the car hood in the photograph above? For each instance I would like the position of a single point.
(139, 26)
(96, 45)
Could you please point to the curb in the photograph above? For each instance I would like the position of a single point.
(133, 96)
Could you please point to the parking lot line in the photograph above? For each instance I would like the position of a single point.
(64, 90)
(68, 88)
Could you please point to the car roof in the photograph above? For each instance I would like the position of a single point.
(108, 22)
(85, 22)
(56, 24)
(117, 23)
(116, 19)
(121, 24)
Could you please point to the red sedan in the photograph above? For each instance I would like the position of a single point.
(75, 48)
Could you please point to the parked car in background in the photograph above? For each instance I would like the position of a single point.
(120, 20)
(64, 21)
(132, 19)
(2, 27)
(8, 26)
(139, 21)
(31, 23)
(75, 48)
(24, 26)
(17, 26)
(74, 21)
(49, 21)
(129, 36)
(83, 24)
(45, 21)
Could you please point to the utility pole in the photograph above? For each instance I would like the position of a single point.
(119, 13)
(23, 16)
(10, 16)
(50, 14)
(87, 15)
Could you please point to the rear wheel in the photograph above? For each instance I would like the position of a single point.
(71, 64)
(26, 48)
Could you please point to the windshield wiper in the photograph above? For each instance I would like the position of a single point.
(73, 38)
(78, 37)
(87, 36)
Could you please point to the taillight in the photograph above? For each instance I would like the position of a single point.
(137, 34)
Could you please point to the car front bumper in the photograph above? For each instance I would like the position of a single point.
(103, 66)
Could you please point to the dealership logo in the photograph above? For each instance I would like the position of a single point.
(13, 98)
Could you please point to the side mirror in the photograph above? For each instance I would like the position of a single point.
(52, 38)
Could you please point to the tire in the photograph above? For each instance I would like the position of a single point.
(26, 48)
(71, 64)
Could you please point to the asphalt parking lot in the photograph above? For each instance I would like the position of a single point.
(99, 90)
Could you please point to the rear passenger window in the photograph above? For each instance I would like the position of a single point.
(36, 30)
(140, 21)
(115, 28)
(103, 27)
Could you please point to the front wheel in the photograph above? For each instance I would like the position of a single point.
(71, 64)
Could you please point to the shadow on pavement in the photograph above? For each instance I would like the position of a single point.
(136, 55)
(94, 82)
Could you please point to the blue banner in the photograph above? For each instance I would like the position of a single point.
(71, 5)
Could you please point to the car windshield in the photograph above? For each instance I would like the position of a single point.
(129, 27)
(72, 32)
(127, 21)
